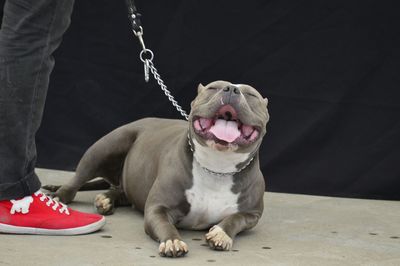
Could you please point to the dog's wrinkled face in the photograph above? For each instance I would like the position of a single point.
(227, 116)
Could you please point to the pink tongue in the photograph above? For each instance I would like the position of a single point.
(225, 130)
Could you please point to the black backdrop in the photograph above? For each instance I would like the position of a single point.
(329, 68)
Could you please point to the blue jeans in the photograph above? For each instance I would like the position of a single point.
(31, 31)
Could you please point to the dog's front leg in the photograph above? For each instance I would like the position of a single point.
(220, 236)
(159, 225)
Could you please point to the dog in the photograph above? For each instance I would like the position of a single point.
(200, 174)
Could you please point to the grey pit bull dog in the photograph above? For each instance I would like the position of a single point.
(201, 174)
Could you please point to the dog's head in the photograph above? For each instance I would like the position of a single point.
(228, 117)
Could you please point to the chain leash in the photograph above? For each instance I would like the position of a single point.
(147, 56)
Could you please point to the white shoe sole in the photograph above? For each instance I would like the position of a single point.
(90, 228)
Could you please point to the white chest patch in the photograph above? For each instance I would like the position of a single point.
(211, 199)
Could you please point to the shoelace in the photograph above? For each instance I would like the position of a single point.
(50, 201)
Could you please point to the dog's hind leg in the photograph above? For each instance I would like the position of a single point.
(103, 159)
(106, 202)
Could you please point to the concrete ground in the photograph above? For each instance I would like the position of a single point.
(294, 230)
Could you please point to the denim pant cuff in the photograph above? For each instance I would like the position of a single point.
(26, 186)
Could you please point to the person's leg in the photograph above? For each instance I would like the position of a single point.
(30, 32)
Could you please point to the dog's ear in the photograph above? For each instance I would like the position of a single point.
(200, 88)
(266, 101)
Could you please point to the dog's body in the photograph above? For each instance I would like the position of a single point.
(194, 175)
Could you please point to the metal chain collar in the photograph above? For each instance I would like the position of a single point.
(209, 171)
(147, 56)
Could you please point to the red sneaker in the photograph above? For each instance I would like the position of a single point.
(41, 215)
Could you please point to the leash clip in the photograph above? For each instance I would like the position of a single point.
(146, 55)
(139, 35)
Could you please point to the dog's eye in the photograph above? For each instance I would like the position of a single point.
(251, 94)
(211, 88)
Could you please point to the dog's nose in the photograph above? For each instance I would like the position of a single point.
(230, 94)
(232, 88)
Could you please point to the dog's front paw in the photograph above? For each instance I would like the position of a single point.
(217, 239)
(173, 248)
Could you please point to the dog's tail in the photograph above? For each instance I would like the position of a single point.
(96, 184)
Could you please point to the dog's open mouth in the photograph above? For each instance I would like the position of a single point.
(225, 128)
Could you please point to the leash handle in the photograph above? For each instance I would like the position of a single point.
(146, 56)
(134, 16)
